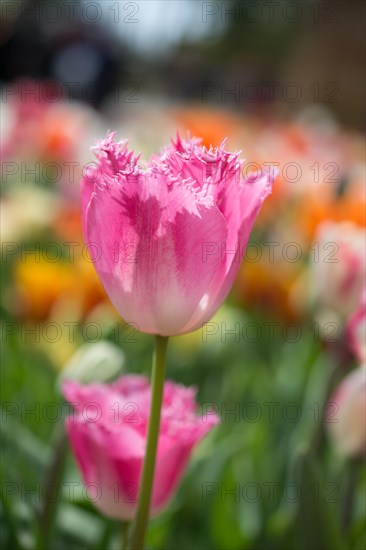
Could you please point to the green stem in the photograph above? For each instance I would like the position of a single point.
(125, 526)
(157, 386)
(349, 495)
(53, 481)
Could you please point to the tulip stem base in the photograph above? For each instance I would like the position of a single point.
(157, 387)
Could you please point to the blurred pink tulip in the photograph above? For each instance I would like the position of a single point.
(357, 330)
(339, 266)
(108, 436)
(346, 420)
(167, 239)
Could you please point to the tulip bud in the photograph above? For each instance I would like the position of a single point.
(347, 426)
(339, 267)
(97, 362)
(357, 330)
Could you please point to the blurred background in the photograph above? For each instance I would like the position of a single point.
(285, 82)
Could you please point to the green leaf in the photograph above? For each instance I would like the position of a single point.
(225, 526)
(316, 523)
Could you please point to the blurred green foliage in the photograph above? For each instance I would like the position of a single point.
(265, 478)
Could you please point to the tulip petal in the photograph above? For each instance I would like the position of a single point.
(240, 204)
(149, 240)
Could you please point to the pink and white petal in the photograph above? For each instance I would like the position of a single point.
(118, 457)
(240, 204)
(170, 466)
(356, 329)
(131, 384)
(105, 404)
(88, 182)
(349, 432)
(79, 437)
(157, 285)
(120, 460)
(173, 455)
(209, 170)
(82, 396)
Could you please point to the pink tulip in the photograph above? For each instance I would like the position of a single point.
(346, 418)
(357, 330)
(339, 266)
(164, 237)
(108, 436)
